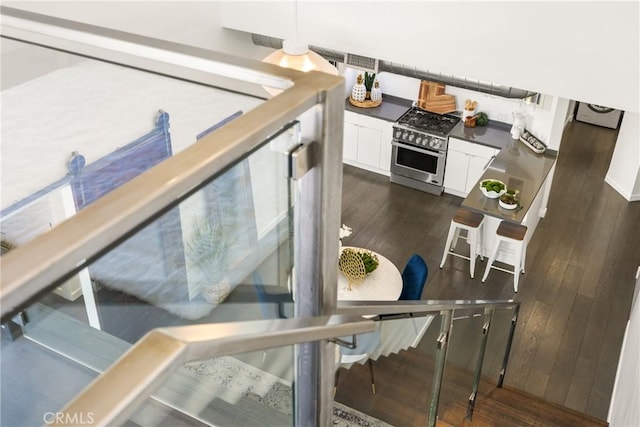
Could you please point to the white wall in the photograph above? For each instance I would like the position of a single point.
(624, 409)
(624, 169)
(583, 50)
(196, 23)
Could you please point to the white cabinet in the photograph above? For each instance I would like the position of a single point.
(466, 163)
(386, 135)
(367, 142)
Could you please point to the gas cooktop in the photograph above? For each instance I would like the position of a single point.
(428, 122)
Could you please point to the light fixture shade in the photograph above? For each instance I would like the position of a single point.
(299, 57)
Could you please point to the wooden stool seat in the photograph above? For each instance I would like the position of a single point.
(471, 222)
(514, 235)
(511, 230)
(467, 217)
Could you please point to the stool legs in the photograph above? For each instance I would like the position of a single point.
(448, 246)
(518, 267)
(492, 257)
(472, 239)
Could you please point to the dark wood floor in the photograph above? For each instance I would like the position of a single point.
(576, 293)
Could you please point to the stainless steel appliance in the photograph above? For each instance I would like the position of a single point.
(420, 149)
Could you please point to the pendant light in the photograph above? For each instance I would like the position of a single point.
(296, 55)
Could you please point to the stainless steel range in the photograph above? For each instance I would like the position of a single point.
(420, 149)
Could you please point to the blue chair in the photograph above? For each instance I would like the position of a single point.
(414, 276)
(268, 301)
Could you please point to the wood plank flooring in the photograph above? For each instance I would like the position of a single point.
(576, 293)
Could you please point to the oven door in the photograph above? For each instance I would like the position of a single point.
(418, 163)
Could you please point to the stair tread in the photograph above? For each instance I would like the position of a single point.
(182, 390)
(537, 406)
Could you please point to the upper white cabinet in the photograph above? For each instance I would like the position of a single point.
(367, 142)
(466, 163)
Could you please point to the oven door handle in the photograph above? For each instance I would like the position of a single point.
(419, 150)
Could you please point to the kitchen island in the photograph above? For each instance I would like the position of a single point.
(521, 169)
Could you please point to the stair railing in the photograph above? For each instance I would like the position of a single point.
(116, 394)
(447, 309)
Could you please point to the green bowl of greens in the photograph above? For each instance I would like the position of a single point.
(492, 188)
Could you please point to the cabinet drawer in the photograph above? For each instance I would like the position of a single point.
(471, 148)
(362, 120)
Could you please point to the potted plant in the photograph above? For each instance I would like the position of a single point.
(209, 251)
(368, 81)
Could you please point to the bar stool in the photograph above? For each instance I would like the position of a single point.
(514, 234)
(470, 221)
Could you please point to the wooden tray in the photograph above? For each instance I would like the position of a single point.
(367, 103)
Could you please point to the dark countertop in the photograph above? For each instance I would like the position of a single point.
(520, 169)
(391, 109)
(495, 134)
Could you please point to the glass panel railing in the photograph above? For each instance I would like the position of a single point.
(247, 389)
(475, 358)
(438, 376)
(397, 362)
(497, 343)
(70, 117)
(465, 347)
(212, 258)
(170, 247)
(223, 254)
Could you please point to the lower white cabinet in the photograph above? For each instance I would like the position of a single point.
(466, 163)
(367, 142)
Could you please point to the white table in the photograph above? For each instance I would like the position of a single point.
(383, 284)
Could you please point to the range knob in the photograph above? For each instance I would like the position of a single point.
(411, 137)
(405, 135)
(398, 133)
(419, 140)
(435, 143)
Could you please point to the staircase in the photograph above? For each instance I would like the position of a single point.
(403, 391)
(510, 407)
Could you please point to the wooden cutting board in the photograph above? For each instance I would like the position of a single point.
(432, 98)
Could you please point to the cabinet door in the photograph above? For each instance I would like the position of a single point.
(476, 169)
(368, 146)
(350, 144)
(455, 173)
(477, 166)
(386, 136)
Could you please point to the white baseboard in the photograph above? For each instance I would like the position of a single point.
(627, 195)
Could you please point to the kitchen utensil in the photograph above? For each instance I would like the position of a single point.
(470, 122)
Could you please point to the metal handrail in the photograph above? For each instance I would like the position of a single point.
(362, 308)
(114, 396)
(37, 266)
